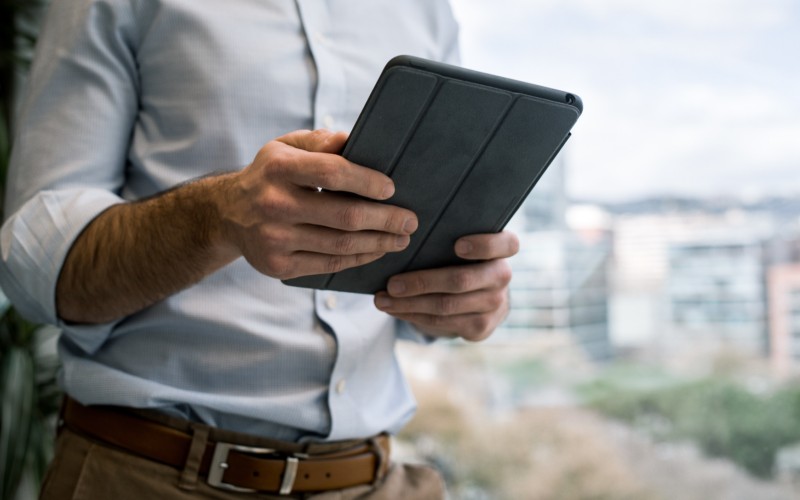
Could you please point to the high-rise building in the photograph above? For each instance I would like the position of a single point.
(690, 282)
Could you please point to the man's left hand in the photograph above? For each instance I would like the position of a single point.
(467, 301)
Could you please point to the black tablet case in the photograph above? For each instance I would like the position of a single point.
(464, 150)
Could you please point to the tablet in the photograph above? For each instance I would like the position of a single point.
(464, 149)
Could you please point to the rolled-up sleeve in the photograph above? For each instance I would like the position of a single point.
(70, 149)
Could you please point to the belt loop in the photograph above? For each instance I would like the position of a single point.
(191, 468)
(382, 462)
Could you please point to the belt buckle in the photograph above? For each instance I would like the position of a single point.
(219, 463)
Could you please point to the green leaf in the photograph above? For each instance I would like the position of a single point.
(17, 388)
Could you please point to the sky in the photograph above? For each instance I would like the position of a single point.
(697, 98)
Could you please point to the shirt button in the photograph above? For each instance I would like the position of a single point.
(330, 301)
(341, 386)
(328, 121)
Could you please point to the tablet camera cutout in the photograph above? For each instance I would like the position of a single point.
(570, 99)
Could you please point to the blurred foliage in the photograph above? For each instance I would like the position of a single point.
(630, 430)
(537, 455)
(30, 401)
(19, 22)
(526, 371)
(721, 415)
(28, 364)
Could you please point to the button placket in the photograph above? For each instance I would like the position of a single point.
(330, 94)
(330, 301)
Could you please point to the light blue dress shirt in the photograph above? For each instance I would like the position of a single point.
(127, 98)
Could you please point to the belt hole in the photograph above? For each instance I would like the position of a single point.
(306, 476)
(256, 473)
(328, 475)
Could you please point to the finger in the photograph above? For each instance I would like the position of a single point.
(456, 279)
(472, 327)
(487, 246)
(334, 173)
(335, 242)
(315, 141)
(332, 210)
(310, 164)
(443, 304)
(308, 263)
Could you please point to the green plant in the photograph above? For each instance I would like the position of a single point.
(30, 397)
(720, 415)
(30, 402)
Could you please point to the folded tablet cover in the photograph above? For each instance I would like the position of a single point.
(464, 150)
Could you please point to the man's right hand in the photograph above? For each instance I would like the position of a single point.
(135, 254)
(291, 212)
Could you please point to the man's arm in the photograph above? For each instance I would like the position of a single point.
(272, 213)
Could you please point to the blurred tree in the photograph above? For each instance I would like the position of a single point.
(30, 397)
(721, 416)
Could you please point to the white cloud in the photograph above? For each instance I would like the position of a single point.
(694, 97)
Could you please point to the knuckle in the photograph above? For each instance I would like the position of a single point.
(352, 217)
(267, 151)
(278, 207)
(391, 223)
(478, 328)
(318, 135)
(448, 305)
(277, 266)
(273, 240)
(438, 321)
(329, 177)
(496, 300)
(395, 219)
(334, 263)
(418, 284)
(504, 273)
(345, 244)
(461, 279)
(276, 158)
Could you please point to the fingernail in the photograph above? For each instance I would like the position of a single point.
(396, 287)
(388, 190)
(402, 241)
(409, 226)
(383, 302)
(463, 247)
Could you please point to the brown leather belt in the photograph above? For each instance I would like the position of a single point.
(233, 466)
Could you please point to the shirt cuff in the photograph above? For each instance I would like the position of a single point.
(34, 243)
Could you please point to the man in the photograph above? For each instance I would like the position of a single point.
(139, 222)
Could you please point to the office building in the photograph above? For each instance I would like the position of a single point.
(716, 295)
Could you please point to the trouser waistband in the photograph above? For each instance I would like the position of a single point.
(232, 460)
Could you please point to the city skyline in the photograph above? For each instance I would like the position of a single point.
(693, 99)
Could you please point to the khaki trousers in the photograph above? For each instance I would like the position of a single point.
(84, 469)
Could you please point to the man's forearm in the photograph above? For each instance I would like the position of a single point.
(271, 213)
(134, 254)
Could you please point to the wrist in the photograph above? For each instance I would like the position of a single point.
(209, 203)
